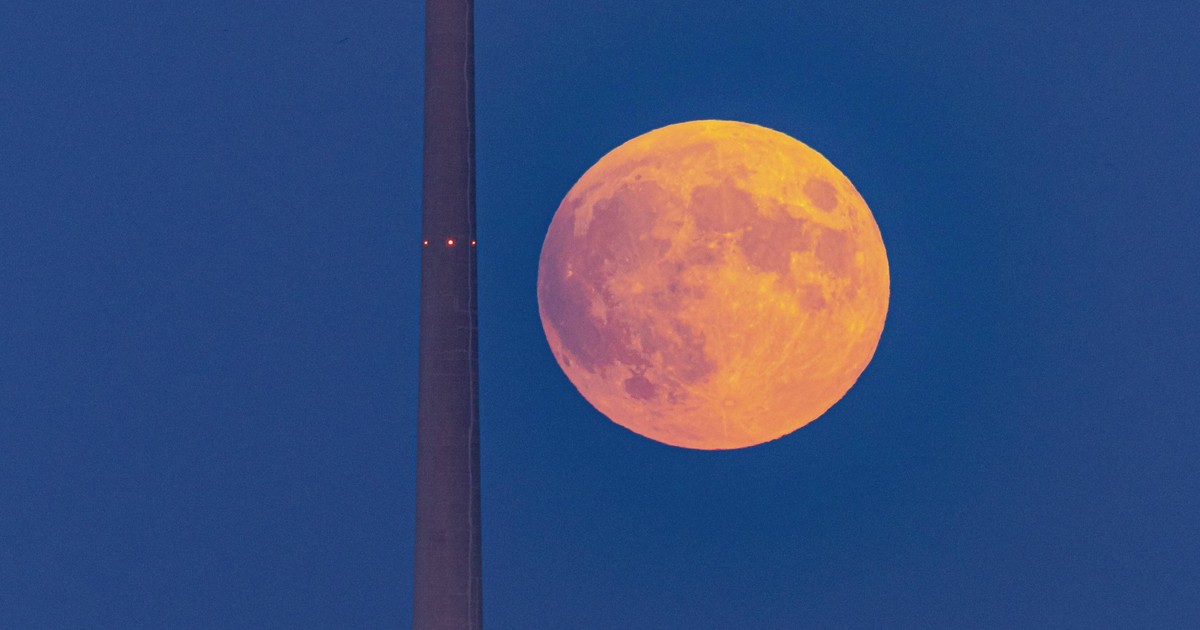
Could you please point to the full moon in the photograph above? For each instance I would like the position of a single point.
(713, 285)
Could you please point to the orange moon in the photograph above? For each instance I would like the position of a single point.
(713, 285)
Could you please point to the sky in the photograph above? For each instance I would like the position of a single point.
(209, 216)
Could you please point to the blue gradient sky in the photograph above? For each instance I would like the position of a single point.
(208, 269)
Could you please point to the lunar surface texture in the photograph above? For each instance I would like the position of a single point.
(713, 285)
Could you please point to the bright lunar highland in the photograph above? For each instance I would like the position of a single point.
(713, 285)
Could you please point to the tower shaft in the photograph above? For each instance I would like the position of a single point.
(448, 560)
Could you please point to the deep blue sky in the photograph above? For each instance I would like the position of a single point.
(209, 215)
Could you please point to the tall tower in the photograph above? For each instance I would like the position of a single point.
(448, 587)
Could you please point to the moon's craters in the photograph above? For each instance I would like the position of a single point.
(640, 387)
(822, 193)
(835, 249)
(769, 242)
(608, 297)
(713, 285)
(721, 208)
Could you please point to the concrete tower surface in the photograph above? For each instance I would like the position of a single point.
(447, 586)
